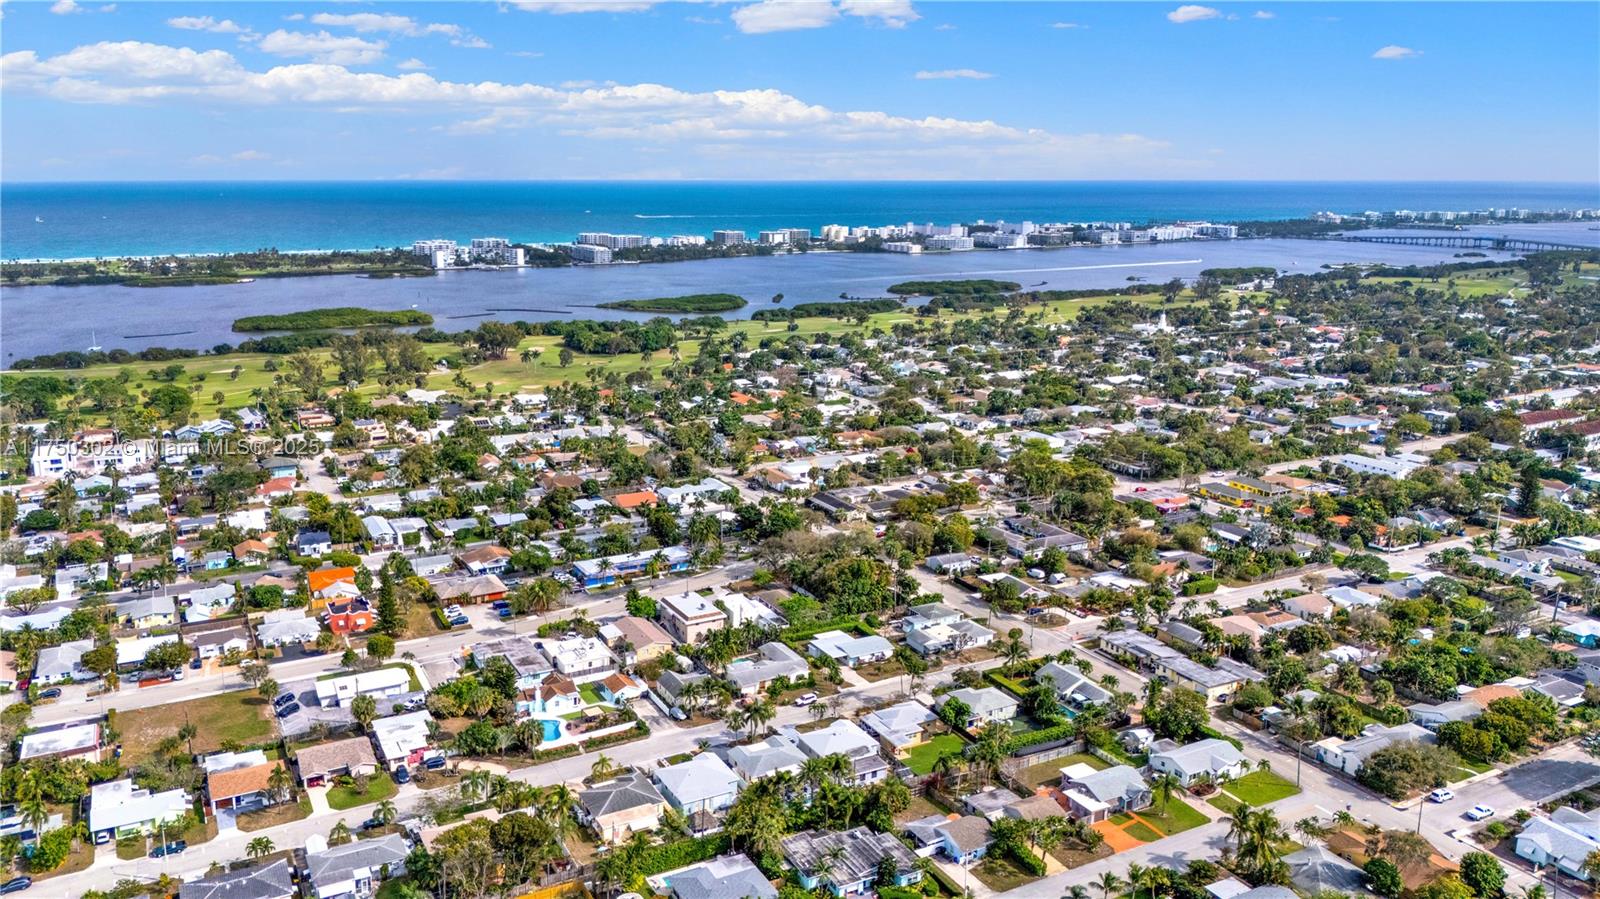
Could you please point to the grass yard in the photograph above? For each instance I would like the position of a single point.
(591, 694)
(273, 815)
(922, 758)
(420, 623)
(240, 717)
(1050, 772)
(1000, 875)
(1259, 788)
(920, 807)
(379, 788)
(1225, 802)
(1177, 817)
(1142, 832)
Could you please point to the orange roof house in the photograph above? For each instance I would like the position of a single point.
(323, 578)
(252, 547)
(630, 501)
(743, 399)
(227, 789)
(276, 487)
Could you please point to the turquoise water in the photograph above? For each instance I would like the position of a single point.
(551, 728)
(65, 221)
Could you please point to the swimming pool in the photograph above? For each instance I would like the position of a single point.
(552, 729)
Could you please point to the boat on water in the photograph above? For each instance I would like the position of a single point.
(39, 219)
(94, 336)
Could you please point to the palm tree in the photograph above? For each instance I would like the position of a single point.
(759, 715)
(385, 812)
(476, 784)
(989, 750)
(1310, 828)
(1077, 891)
(603, 768)
(1137, 875)
(280, 783)
(340, 834)
(1163, 786)
(259, 847)
(1109, 883)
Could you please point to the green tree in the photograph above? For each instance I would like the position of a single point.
(1483, 874)
(364, 709)
(1383, 878)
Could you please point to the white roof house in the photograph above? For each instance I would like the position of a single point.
(133, 651)
(1211, 756)
(119, 808)
(341, 691)
(399, 736)
(287, 626)
(76, 739)
(703, 783)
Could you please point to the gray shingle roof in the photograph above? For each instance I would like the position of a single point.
(264, 882)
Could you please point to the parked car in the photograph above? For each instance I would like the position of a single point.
(1441, 795)
(175, 847)
(1479, 812)
(283, 700)
(290, 709)
(434, 763)
(49, 694)
(16, 885)
(195, 664)
(401, 775)
(1036, 573)
(805, 699)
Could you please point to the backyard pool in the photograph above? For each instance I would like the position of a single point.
(552, 729)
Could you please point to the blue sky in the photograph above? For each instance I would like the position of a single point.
(800, 89)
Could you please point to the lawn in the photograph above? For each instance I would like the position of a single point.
(922, 758)
(1050, 772)
(591, 694)
(1142, 832)
(1259, 788)
(239, 717)
(273, 815)
(1177, 817)
(379, 788)
(1000, 875)
(1225, 802)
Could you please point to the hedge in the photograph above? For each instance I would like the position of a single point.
(1219, 735)
(1026, 860)
(636, 732)
(1200, 585)
(1064, 731)
(682, 853)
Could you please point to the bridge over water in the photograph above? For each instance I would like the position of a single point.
(1468, 242)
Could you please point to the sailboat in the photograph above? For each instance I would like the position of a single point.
(95, 336)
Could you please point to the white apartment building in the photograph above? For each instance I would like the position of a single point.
(612, 241)
(727, 238)
(903, 246)
(948, 242)
(591, 254)
(429, 247)
(686, 240)
(773, 238)
(835, 233)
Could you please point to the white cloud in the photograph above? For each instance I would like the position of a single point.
(941, 74)
(751, 132)
(1263, 14)
(527, 54)
(1394, 51)
(1067, 25)
(412, 65)
(1192, 13)
(66, 7)
(767, 16)
(323, 47)
(563, 7)
(251, 156)
(388, 23)
(207, 23)
(893, 13)
(784, 15)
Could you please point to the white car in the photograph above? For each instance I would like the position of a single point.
(1480, 812)
(1441, 795)
(805, 699)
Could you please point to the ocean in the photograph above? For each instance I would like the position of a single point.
(87, 220)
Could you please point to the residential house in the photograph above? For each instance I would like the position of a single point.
(555, 695)
(355, 869)
(145, 612)
(900, 727)
(690, 616)
(964, 840)
(320, 764)
(846, 738)
(773, 660)
(731, 876)
(1349, 755)
(619, 688)
(240, 781)
(985, 705)
(1209, 758)
(519, 651)
(379, 683)
(402, 739)
(270, 881)
(349, 616)
(490, 559)
(617, 809)
(1097, 795)
(850, 650)
(1564, 840)
(118, 809)
(637, 639)
(583, 659)
(704, 783)
(847, 863)
(773, 755)
(63, 664)
(1434, 715)
(286, 627)
(608, 570)
(1075, 690)
(67, 741)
